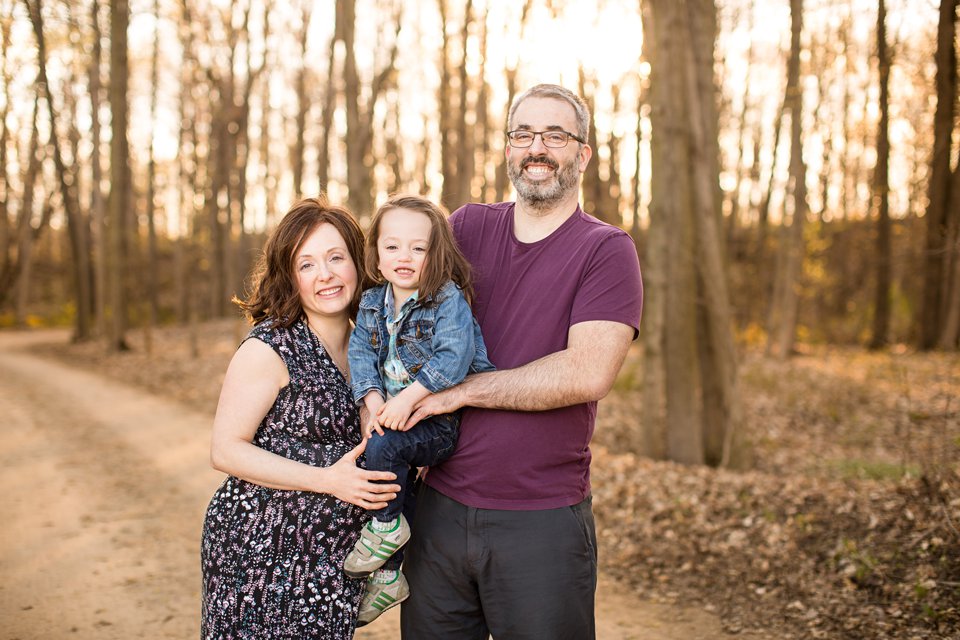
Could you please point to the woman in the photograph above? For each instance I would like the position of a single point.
(288, 434)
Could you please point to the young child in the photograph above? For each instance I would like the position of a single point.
(415, 335)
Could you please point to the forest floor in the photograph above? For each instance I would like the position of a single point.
(846, 527)
(105, 484)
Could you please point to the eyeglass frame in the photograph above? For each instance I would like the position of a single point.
(542, 139)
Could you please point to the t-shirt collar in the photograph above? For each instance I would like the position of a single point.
(388, 305)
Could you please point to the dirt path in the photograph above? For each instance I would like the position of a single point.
(105, 489)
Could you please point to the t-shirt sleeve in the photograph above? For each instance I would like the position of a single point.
(611, 288)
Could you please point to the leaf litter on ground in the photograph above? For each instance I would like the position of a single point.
(847, 527)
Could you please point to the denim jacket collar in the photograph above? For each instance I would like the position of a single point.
(374, 299)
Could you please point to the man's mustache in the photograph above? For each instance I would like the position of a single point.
(550, 162)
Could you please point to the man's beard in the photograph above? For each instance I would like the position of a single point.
(544, 194)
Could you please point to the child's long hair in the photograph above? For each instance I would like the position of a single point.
(444, 260)
(273, 292)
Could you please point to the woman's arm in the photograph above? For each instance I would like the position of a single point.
(254, 379)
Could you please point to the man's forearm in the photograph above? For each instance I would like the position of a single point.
(547, 383)
(583, 372)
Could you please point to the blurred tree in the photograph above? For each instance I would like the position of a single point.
(881, 198)
(935, 281)
(121, 200)
(465, 137)
(150, 266)
(685, 263)
(68, 178)
(302, 101)
(7, 234)
(98, 204)
(784, 306)
(360, 113)
(18, 264)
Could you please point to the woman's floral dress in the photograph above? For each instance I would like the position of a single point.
(272, 560)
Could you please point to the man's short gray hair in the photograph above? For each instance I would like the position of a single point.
(557, 93)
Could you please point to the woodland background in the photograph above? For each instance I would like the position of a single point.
(789, 171)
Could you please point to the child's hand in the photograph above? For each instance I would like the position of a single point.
(370, 425)
(394, 414)
(372, 403)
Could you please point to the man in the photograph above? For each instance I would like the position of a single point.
(504, 540)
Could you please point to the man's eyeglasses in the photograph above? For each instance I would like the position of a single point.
(555, 139)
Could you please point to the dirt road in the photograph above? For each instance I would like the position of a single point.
(104, 490)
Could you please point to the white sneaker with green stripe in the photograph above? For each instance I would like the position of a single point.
(382, 595)
(375, 547)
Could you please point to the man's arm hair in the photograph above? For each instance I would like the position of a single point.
(583, 372)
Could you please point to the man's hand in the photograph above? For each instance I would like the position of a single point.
(437, 404)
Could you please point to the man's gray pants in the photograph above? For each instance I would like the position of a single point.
(518, 575)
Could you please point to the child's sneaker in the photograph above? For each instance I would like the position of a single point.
(382, 595)
(375, 547)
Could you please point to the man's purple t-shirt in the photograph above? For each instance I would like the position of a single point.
(527, 296)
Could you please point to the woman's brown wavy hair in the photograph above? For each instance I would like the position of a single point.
(444, 260)
(274, 294)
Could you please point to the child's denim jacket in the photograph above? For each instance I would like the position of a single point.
(438, 343)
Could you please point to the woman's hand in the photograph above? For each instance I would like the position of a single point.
(348, 482)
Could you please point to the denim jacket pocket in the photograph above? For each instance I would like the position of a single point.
(415, 331)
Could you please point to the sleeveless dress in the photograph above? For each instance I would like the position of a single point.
(272, 560)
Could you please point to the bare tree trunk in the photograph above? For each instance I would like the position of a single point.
(360, 118)
(671, 205)
(483, 115)
(501, 181)
(637, 171)
(466, 144)
(949, 338)
(98, 204)
(120, 188)
(152, 266)
(445, 107)
(242, 260)
(186, 170)
(67, 176)
(763, 215)
(723, 432)
(881, 311)
(392, 143)
(739, 170)
(326, 115)
(359, 196)
(7, 237)
(653, 439)
(266, 158)
(612, 192)
(26, 233)
(931, 308)
(847, 191)
(592, 185)
(784, 309)
(303, 104)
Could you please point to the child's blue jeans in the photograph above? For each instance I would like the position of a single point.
(429, 442)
